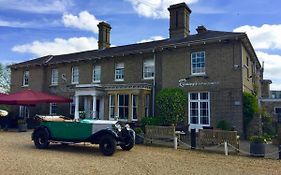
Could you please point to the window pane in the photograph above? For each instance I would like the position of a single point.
(193, 96)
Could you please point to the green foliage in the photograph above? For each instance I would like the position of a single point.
(151, 121)
(138, 130)
(171, 105)
(257, 139)
(224, 125)
(4, 78)
(250, 108)
(267, 127)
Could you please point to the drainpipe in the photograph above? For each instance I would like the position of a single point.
(154, 83)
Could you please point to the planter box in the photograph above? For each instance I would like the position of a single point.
(22, 127)
(139, 139)
(257, 149)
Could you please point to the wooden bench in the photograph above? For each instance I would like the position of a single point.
(215, 137)
(154, 134)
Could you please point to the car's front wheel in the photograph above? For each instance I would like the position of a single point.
(107, 145)
(41, 139)
(128, 143)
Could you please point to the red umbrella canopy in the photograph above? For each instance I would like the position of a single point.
(30, 97)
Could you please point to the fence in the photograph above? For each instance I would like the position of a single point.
(215, 137)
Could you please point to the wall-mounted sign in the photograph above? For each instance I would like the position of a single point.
(183, 82)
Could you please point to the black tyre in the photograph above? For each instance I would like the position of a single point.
(41, 139)
(128, 143)
(107, 145)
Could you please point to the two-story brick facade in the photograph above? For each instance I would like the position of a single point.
(213, 67)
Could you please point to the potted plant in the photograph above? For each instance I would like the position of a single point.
(22, 125)
(139, 136)
(257, 146)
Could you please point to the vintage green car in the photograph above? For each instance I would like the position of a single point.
(108, 134)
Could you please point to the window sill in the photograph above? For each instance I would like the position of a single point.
(119, 80)
(96, 82)
(24, 86)
(74, 83)
(198, 75)
(53, 85)
(149, 78)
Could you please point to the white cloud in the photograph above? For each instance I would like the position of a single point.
(14, 23)
(263, 37)
(37, 6)
(58, 46)
(153, 38)
(272, 65)
(85, 21)
(155, 8)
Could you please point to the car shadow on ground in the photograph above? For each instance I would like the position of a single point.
(85, 149)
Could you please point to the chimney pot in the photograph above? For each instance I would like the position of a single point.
(201, 29)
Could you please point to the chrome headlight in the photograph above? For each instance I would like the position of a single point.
(127, 126)
(118, 127)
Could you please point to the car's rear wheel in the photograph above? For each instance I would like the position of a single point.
(41, 139)
(107, 145)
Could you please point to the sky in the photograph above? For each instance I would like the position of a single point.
(34, 28)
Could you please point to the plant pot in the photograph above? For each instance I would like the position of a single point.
(139, 139)
(22, 127)
(257, 149)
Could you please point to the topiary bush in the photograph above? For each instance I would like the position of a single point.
(171, 104)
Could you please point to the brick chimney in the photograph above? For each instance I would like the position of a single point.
(104, 35)
(179, 20)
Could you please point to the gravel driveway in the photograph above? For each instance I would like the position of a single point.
(19, 156)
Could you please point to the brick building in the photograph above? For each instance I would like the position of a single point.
(213, 67)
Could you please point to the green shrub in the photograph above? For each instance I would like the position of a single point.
(171, 104)
(257, 139)
(250, 108)
(151, 121)
(138, 130)
(224, 125)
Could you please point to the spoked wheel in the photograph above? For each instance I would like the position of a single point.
(41, 139)
(107, 145)
(128, 143)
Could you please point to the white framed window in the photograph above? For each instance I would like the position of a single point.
(55, 77)
(75, 75)
(23, 112)
(25, 78)
(199, 108)
(148, 69)
(146, 107)
(135, 102)
(96, 74)
(123, 106)
(72, 106)
(119, 72)
(112, 106)
(53, 108)
(198, 63)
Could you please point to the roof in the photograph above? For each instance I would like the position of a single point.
(130, 49)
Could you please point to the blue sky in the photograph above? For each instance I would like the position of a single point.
(32, 28)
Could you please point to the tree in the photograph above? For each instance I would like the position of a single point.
(171, 104)
(5, 74)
